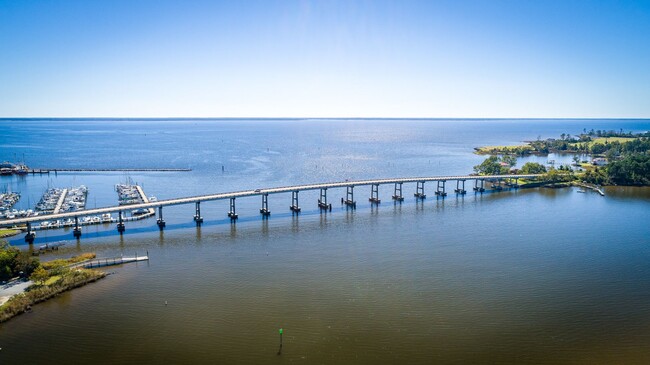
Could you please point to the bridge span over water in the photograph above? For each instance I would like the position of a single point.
(440, 191)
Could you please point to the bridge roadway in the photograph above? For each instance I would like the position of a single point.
(246, 193)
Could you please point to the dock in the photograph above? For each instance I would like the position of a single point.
(59, 203)
(591, 187)
(95, 263)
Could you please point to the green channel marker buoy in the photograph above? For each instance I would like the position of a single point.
(280, 330)
(280, 349)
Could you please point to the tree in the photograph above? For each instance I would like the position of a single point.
(510, 160)
(39, 275)
(7, 260)
(533, 168)
(491, 166)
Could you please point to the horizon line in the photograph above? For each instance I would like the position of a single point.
(324, 118)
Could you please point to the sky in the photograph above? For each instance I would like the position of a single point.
(325, 59)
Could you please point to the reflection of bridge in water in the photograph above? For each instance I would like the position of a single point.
(440, 192)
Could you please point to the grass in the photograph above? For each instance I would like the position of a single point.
(49, 265)
(487, 150)
(4, 232)
(52, 280)
(602, 140)
(38, 293)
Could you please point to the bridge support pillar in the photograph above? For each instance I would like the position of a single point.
(477, 187)
(76, 232)
(460, 190)
(233, 212)
(265, 206)
(440, 189)
(374, 194)
(30, 235)
(349, 197)
(516, 184)
(497, 186)
(120, 222)
(419, 190)
(197, 214)
(397, 194)
(295, 208)
(160, 221)
(322, 202)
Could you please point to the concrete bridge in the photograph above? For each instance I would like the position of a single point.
(440, 191)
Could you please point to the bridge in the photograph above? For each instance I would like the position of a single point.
(323, 204)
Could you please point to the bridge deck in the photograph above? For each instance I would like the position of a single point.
(244, 193)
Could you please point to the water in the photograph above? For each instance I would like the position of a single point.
(535, 276)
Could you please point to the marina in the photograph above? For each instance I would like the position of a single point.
(7, 201)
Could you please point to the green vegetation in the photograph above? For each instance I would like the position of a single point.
(533, 168)
(40, 292)
(50, 278)
(8, 232)
(586, 143)
(14, 262)
(50, 265)
(494, 165)
(505, 150)
(627, 155)
(630, 170)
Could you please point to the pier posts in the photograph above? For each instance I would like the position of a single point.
(460, 190)
(516, 184)
(160, 222)
(197, 214)
(322, 202)
(294, 202)
(30, 235)
(374, 194)
(349, 197)
(76, 232)
(265, 205)
(419, 190)
(397, 194)
(478, 188)
(439, 191)
(232, 213)
(120, 222)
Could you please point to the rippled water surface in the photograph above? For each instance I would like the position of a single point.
(538, 276)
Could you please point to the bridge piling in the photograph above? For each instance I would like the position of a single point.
(120, 223)
(295, 208)
(419, 190)
(374, 194)
(349, 197)
(265, 206)
(197, 215)
(322, 202)
(439, 191)
(160, 221)
(458, 189)
(478, 188)
(397, 193)
(30, 236)
(76, 232)
(232, 213)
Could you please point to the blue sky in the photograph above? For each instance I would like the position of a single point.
(268, 58)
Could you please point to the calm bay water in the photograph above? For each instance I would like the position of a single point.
(533, 276)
